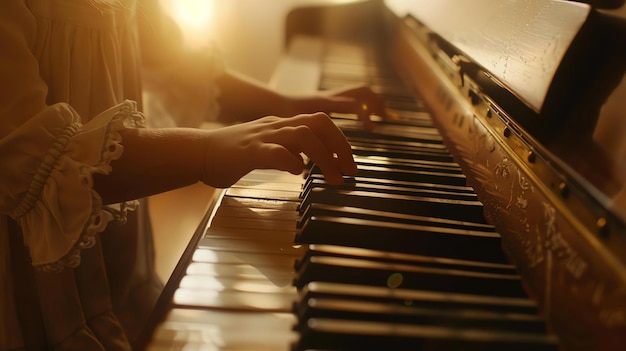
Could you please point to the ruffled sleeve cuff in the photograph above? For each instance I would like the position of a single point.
(61, 212)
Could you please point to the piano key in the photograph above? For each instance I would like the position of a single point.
(412, 297)
(225, 256)
(423, 191)
(263, 234)
(262, 264)
(345, 308)
(470, 211)
(408, 164)
(385, 160)
(372, 149)
(397, 183)
(366, 171)
(411, 276)
(318, 209)
(234, 283)
(284, 195)
(270, 176)
(394, 131)
(398, 257)
(245, 245)
(259, 224)
(320, 333)
(242, 270)
(261, 285)
(254, 204)
(400, 237)
(234, 212)
(392, 140)
(408, 175)
(234, 300)
(215, 330)
(265, 185)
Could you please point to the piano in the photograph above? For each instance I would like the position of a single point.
(489, 208)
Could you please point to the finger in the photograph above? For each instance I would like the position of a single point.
(275, 156)
(333, 139)
(302, 139)
(364, 95)
(364, 116)
(363, 108)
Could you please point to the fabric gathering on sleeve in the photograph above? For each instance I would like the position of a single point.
(59, 211)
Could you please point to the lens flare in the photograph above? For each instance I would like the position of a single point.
(394, 280)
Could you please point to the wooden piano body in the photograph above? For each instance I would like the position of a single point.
(526, 96)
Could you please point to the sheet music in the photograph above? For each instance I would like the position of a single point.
(521, 42)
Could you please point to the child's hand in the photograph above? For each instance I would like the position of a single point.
(276, 143)
(361, 100)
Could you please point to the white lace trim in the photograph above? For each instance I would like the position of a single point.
(100, 215)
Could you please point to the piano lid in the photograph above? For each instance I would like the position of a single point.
(520, 42)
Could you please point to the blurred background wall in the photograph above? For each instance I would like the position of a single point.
(248, 32)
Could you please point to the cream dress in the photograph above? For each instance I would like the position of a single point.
(75, 274)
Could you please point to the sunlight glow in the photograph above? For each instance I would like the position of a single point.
(193, 13)
(194, 17)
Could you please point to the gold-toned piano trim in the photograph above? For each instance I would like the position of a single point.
(571, 258)
(568, 192)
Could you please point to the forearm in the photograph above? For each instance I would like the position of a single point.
(243, 99)
(153, 161)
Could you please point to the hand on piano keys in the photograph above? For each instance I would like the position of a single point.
(359, 100)
(277, 143)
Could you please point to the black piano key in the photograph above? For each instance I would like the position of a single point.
(314, 337)
(395, 116)
(404, 258)
(360, 149)
(397, 183)
(450, 167)
(392, 131)
(391, 140)
(408, 175)
(346, 308)
(400, 237)
(448, 301)
(408, 164)
(318, 209)
(409, 276)
(390, 144)
(470, 211)
(425, 176)
(345, 334)
(423, 191)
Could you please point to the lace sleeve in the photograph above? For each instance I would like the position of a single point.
(58, 210)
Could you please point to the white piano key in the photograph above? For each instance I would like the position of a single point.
(211, 330)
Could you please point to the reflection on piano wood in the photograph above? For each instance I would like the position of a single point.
(401, 256)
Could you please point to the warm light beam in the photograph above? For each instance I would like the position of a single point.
(194, 17)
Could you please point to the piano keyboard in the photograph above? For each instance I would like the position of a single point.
(399, 257)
